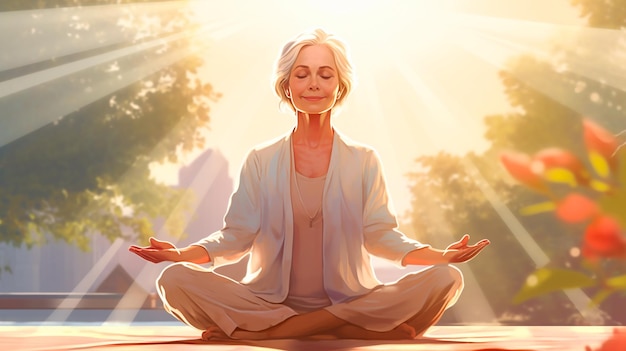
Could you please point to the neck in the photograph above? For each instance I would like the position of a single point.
(313, 130)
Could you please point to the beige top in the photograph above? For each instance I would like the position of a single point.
(358, 222)
(306, 283)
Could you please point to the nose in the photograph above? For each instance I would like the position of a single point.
(313, 85)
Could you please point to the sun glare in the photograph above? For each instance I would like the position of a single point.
(427, 76)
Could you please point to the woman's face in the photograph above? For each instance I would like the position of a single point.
(313, 81)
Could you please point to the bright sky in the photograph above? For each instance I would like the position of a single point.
(427, 71)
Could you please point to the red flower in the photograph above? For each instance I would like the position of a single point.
(554, 158)
(603, 238)
(576, 208)
(599, 139)
(519, 166)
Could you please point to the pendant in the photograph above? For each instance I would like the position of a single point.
(311, 223)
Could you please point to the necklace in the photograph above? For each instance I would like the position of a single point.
(317, 212)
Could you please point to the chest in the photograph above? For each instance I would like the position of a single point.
(312, 162)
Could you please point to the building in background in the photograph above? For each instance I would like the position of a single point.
(108, 266)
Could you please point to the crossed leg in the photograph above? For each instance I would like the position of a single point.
(418, 299)
(322, 322)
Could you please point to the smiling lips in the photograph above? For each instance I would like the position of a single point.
(313, 98)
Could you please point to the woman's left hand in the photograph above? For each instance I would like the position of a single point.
(460, 251)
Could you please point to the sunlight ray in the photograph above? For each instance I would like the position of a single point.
(145, 279)
(19, 84)
(67, 306)
(58, 91)
(44, 34)
(580, 300)
(582, 60)
(55, 50)
(438, 135)
(480, 309)
(534, 251)
(442, 125)
(130, 304)
(50, 98)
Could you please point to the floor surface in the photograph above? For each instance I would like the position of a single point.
(172, 338)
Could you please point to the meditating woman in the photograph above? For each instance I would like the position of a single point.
(310, 208)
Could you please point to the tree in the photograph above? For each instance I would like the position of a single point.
(604, 14)
(89, 171)
(548, 96)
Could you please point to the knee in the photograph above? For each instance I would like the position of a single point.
(181, 274)
(178, 274)
(171, 276)
(448, 275)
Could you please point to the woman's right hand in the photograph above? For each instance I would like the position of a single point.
(158, 251)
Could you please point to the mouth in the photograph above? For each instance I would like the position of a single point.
(313, 98)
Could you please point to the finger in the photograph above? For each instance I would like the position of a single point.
(141, 254)
(481, 243)
(465, 238)
(475, 251)
(462, 243)
(146, 254)
(461, 258)
(455, 245)
(154, 242)
(466, 255)
(160, 244)
(148, 257)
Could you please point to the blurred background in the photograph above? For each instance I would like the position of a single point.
(121, 120)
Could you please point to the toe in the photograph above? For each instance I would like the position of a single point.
(409, 330)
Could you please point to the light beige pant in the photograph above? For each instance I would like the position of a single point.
(202, 298)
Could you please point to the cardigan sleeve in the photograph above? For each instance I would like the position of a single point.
(242, 219)
(380, 227)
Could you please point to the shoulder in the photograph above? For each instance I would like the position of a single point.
(271, 148)
(354, 148)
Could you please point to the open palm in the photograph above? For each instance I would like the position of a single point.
(157, 251)
(464, 252)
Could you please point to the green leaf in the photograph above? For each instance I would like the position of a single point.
(600, 296)
(547, 280)
(542, 207)
(618, 282)
(615, 204)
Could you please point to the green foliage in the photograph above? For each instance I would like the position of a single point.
(18, 5)
(547, 280)
(89, 170)
(605, 14)
(548, 96)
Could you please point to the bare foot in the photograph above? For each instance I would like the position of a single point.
(250, 335)
(214, 333)
(401, 332)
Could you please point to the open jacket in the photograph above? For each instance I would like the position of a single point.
(358, 221)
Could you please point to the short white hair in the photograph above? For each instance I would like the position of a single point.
(290, 52)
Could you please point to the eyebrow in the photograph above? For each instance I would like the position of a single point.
(307, 67)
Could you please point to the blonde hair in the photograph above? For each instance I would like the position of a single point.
(290, 52)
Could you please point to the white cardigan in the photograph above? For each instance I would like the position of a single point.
(358, 221)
